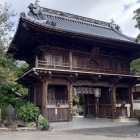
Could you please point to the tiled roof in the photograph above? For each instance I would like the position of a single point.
(73, 23)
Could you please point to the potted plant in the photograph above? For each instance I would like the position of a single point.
(44, 122)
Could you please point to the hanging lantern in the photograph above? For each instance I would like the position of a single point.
(97, 92)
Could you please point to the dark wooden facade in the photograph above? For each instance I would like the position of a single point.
(62, 60)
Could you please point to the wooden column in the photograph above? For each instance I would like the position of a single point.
(85, 103)
(70, 100)
(131, 101)
(113, 100)
(44, 97)
(29, 93)
(70, 59)
(35, 94)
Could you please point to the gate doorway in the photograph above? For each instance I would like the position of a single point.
(86, 102)
(95, 105)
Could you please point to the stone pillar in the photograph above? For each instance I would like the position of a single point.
(113, 100)
(44, 97)
(96, 107)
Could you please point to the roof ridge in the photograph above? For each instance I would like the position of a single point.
(79, 21)
(75, 17)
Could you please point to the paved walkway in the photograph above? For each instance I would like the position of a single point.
(84, 123)
(83, 129)
(100, 126)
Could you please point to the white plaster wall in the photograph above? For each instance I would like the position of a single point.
(136, 104)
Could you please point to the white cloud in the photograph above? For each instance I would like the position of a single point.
(120, 10)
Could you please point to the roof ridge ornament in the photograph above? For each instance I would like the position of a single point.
(114, 25)
(36, 2)
(35, 8)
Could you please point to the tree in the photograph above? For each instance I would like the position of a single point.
(137, 17)
(10, 69)
(135, 65)
(7, 64)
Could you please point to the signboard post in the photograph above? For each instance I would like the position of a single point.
(0, 115)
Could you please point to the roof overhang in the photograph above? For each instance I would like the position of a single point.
(36, 73)
(25, 39)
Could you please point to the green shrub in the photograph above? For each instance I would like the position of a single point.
(44, 122)
(29, 112)
(138, 118)
(4, 114)
(18, 104)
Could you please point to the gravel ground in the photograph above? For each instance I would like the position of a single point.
(57, 136)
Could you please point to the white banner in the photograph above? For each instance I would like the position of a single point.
(84, 90)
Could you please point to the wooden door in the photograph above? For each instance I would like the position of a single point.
(89, 105)
(57, 105)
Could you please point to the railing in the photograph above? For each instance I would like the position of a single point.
(53, 64)
(76, 67)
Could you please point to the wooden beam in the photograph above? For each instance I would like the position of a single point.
(57, 82)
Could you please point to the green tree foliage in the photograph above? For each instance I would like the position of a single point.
(135, 66)
(137, 17)
(10, 69)
(7, 64)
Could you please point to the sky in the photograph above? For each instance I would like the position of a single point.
(121, 11)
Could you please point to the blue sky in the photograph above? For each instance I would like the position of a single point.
(119, 10)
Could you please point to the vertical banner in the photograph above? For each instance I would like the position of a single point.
(113, 100)
(70, 89)
(114, 97)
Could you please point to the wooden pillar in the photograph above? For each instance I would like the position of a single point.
(85, 104)
(70, 100)
(35, 92)
(70, 59)
(113, 100)
(131, 101)
(44, 97)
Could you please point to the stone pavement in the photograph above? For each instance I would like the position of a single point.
(84, 123)
(83, 129)
(56, 136)
(100, 126)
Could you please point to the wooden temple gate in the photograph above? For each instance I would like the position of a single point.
(57, 101)
(65, 51)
